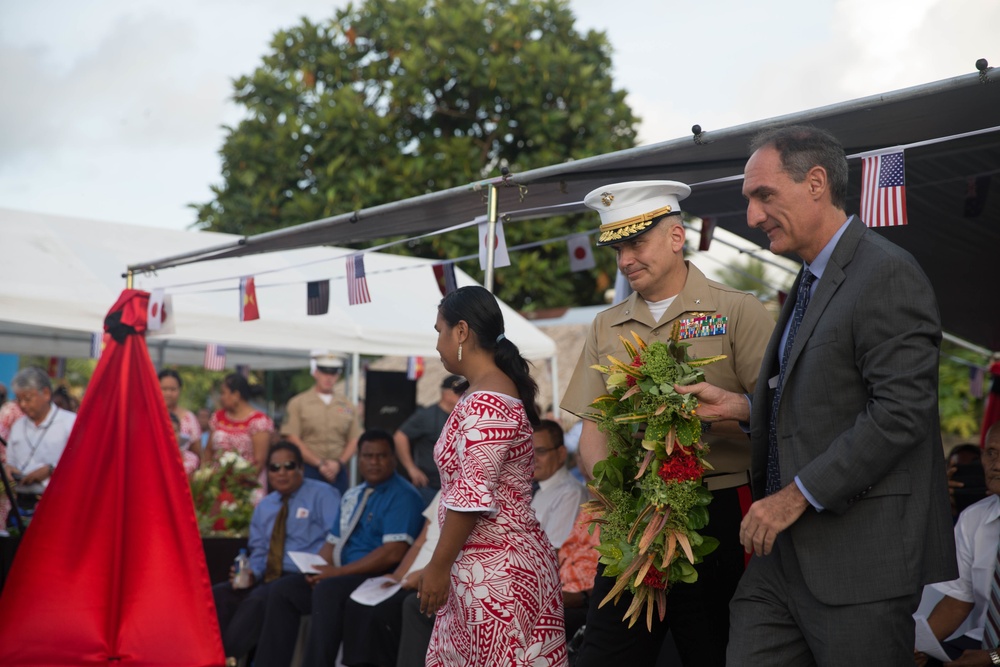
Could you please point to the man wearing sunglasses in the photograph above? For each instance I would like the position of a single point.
(295, 516)
(379, 520)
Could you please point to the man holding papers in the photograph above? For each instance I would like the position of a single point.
(295, 516)
(379, 520)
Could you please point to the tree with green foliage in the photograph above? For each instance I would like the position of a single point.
(393, 99)
(751, 275)
(961, 411)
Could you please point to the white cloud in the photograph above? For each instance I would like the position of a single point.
(112, 107)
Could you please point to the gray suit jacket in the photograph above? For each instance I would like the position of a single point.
(858, 423)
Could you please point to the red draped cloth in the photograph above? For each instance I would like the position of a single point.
(111, 570)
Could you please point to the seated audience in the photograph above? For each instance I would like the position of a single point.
(37, 439)
(976, 537)
(372, 633)
(556, 494)
(295, 516)
(379, 520)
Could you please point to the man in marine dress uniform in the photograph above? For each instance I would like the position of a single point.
(323, 425)
(641, 220)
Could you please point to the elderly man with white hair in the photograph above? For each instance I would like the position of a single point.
(38, 438)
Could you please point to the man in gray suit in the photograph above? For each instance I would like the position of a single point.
(851, 514)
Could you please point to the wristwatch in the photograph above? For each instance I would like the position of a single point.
(995, 657)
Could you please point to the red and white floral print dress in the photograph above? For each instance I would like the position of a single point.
(232, 435)
(505, 604)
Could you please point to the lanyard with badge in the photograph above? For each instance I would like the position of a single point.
(33, 447)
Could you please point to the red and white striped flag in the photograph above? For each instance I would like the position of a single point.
(215, 357)
(357, 284)
(318, 297)
(883, 190)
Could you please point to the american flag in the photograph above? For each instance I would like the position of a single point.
(215, 357)
(357, 284)
(318, 297)
(444, 273)
(883, 190)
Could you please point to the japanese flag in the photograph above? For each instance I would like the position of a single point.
(580, 256)
(500, 257)
(160, 313)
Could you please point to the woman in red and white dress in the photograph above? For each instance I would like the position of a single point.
(493, 579)
(190, 440)
(238, 427)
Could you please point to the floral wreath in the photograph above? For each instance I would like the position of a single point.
(650, 498)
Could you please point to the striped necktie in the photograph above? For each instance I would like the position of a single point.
(991, 629)
(801, 303)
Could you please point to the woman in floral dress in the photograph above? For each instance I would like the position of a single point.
(237, 427)
(492, 580)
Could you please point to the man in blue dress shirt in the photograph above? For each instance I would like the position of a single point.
(379, 520)
(309, 508)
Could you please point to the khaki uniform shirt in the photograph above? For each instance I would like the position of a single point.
(325, 429)
(742, 339)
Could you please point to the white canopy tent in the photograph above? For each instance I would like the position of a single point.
(63, 274)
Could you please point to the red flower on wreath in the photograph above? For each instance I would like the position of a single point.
(680, 467)
(636, 363)
(655, 579)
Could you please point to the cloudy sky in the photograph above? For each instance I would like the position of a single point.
(112, 109)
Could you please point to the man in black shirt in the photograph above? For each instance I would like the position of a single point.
(416, 436)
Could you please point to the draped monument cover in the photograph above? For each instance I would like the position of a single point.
(111, 570)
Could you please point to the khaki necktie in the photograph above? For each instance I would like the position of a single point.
(276, 550)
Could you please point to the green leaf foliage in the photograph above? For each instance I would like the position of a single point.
(393, 99)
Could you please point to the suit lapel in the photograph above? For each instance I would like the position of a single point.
(827, 286)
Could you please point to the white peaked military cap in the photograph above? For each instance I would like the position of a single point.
(629, 209)
(327, 362)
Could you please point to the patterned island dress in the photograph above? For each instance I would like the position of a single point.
(505, 605)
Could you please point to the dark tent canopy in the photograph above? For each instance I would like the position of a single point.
(953, 190)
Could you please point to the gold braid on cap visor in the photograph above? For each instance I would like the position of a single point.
(615, 231)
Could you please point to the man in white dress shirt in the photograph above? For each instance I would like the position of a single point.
(977, 534)
(558, 496)
(37, 439)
